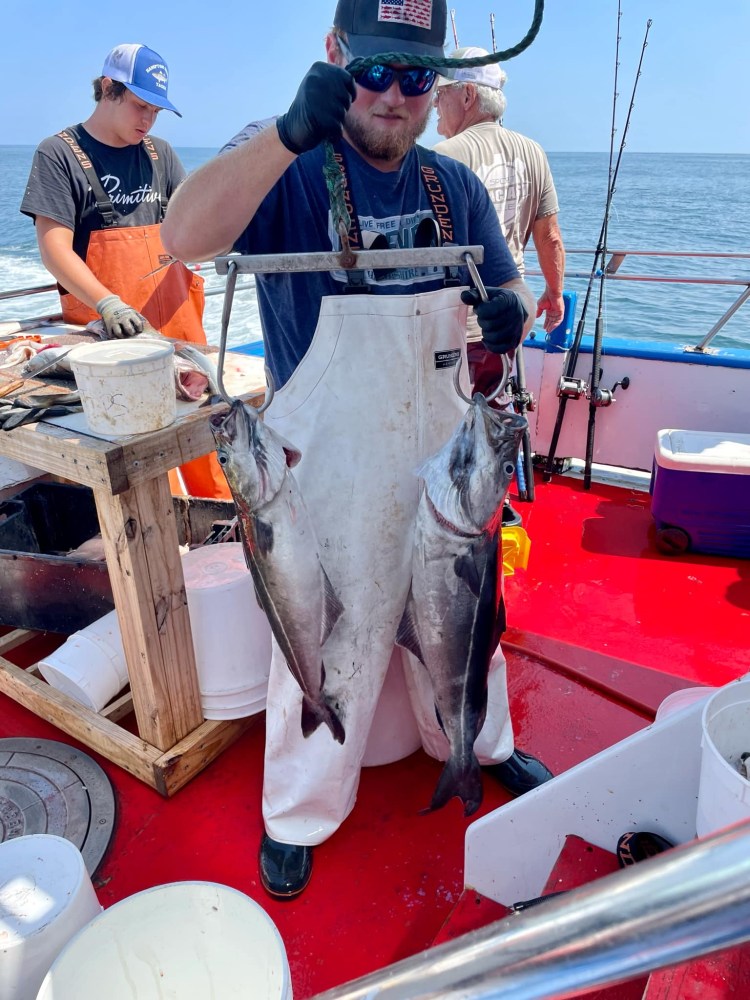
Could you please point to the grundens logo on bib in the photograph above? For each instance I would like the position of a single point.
(416, 12)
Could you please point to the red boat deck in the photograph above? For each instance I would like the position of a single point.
(595, 607)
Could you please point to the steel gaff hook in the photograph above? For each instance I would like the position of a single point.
(477, 279)
(225, 314)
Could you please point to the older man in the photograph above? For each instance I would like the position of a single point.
(470, 104)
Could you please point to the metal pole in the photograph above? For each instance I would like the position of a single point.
(677, 906)
(721, 322)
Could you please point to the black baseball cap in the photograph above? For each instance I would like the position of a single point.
(414, 26)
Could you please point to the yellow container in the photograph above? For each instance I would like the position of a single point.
(516, 545)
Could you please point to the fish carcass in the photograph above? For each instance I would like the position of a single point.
(281, 551)
(454, 614)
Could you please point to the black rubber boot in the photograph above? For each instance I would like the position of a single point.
(285, 869)
(520, 772)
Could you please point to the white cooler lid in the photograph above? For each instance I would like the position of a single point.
(704, 451)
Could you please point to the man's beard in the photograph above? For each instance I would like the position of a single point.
(385, 146)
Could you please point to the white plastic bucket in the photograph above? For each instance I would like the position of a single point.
(90, 665)
(678, 700)
(723, 793)
(394, 733)
(126, 386)
(46, 897)
(191, 940)
(231, 634)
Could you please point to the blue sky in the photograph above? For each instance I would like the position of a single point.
(232, 63)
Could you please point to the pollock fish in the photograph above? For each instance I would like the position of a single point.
(281, 551)
(454, 614)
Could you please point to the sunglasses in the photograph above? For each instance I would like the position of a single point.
(413, 82)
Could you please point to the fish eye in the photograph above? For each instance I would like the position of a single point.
(509, 468)
(222, 457)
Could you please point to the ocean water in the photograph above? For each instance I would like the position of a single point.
(662, 202)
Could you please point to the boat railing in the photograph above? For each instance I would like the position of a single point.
(616, 258)
(677, 906)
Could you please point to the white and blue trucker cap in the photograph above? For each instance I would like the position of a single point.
(143, 72)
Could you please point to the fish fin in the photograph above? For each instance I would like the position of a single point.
(501, 623)
(407, 635)
(263, 535)
(332, 608)
(313, 714)
(466, 569)
(461, 779)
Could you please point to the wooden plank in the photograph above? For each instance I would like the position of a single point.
(190, 437)
(101, 735)
(140, 542)
(365, 259)
(16, 638)
(82, 459)
(118, 708)
(187, 758)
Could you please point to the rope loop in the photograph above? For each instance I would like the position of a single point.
(441, 62)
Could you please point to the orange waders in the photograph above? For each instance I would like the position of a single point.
(172, 300)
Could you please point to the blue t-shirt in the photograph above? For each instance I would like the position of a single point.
(295, 218)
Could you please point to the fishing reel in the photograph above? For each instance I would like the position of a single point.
(522, 400)
(572, 388)
(575, 388)
(606, 397)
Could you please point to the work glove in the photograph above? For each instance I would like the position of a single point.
(317, 112)
(120, 320)
(500, 319)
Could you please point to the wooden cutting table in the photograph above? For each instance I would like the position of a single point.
(136, 515)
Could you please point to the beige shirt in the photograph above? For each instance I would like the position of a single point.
(515, 171)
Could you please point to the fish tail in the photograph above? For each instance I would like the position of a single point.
(462, 778)
(313, 713)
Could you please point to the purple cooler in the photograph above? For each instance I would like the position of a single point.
(700, 492)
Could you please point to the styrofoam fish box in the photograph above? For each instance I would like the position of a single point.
(700, 489)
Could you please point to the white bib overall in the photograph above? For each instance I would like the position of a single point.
(372, 398)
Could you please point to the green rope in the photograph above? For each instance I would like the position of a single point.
(439, 62)
(331, 170)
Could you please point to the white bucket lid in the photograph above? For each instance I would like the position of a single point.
(184, 939)
(121, 357)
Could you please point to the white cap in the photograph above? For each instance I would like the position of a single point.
(486, 76)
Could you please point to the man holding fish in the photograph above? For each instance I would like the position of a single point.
(365, 392)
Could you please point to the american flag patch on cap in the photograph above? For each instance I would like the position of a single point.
(414, 12)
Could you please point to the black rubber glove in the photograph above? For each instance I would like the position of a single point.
(317, 112)
(501, 319)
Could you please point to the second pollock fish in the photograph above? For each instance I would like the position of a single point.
(454, 615)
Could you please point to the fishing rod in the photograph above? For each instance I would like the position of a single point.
(453, 25)
(570, 387)
(522, 399)
(596, 358)
(598, 396)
